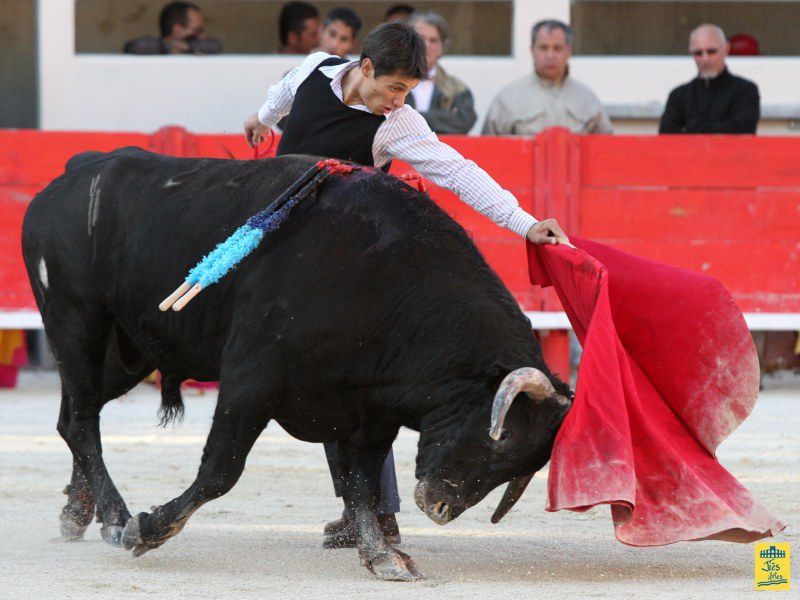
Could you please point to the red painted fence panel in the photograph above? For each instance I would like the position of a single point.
(725, 205)
(728, 206)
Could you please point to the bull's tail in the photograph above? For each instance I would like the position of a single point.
(171, 410)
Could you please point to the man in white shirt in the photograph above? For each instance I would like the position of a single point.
(355, 110)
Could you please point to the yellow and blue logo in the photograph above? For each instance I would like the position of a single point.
(772, 566)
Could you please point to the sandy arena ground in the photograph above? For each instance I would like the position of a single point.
(263, 539)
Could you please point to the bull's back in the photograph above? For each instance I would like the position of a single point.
(123, 229)
(118, 231)
(113, 213)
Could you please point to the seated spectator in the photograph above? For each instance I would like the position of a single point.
(398, 12)
(181, 25)
(715, 101)
(548, 97)
(444, 101)
(340, 31)
(298, 27)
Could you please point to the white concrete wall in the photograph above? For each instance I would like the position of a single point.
(214, 94)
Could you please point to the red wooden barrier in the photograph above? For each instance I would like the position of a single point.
(728, 206)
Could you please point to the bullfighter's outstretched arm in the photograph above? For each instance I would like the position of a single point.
(409, 137)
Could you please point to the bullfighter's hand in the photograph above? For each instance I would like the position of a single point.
(548, 232)
(254, 130)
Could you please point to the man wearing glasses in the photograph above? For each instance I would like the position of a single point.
(715, 101)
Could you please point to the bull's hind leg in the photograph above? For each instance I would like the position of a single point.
(243, 410)
(362, 489)
(80, 343)
(78, 512)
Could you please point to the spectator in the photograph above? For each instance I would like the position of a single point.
(444, 101)
(715, 101)
(398, 12)
(549, 97)
(299, 29)
(182, 32)
(298, 26)
(340, 31)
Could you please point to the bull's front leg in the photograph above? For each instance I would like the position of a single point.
(361, 492)
(239, 419)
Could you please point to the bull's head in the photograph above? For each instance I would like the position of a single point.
(460, 461)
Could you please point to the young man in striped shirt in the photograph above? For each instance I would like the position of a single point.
(356, 111)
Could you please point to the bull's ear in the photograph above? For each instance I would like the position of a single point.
(496, 372)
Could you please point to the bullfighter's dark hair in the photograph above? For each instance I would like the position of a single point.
(293, 17)
(396, 48)
(175, 13)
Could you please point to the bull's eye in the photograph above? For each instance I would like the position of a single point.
(503, 435)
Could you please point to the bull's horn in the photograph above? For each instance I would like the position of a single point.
(513, 493)
(526, 379)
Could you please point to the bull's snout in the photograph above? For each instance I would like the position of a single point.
(439, 510)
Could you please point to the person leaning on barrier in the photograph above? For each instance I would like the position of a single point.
(444, 101)
(550, 96)
(182, 27)
(715, 101)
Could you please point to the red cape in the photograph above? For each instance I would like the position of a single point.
(668, 371)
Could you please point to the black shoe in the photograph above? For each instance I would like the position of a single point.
(339, 525)
(341, 533)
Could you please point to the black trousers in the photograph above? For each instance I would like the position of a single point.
(389, 502)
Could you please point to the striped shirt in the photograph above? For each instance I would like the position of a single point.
(406, 136)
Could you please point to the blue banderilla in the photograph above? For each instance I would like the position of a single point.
(222, 259)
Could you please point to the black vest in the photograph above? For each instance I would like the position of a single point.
(321, 124)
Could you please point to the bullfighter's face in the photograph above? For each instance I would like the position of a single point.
(384, 93)
(458, 463)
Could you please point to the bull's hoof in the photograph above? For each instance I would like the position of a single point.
(76, 516)
(71, 529)
(394, 566)
(143, 532)
(132, 537)
(112, 535)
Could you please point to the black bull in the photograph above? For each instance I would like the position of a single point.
(368, 310)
